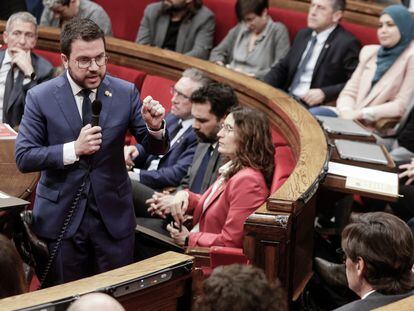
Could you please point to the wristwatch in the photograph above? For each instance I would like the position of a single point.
(32, 76)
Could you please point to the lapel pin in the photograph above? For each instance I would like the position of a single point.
(108, 94)
(326, 45)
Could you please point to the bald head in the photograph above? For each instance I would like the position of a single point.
(97, 301)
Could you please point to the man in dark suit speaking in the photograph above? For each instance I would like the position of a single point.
(56, 138)
(321, 59)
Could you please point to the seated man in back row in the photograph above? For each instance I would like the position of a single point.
(20, 69)
(321, 59)
(153, 172)
(184, 26)
(57, 12)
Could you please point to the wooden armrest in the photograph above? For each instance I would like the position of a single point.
(201, 255)
(386, 123)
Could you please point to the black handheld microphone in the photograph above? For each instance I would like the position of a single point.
(96, 110)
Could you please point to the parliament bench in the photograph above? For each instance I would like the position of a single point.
(278, 236)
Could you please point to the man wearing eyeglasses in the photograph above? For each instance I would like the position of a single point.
(20, 69)
(82, 166)
(159, 172)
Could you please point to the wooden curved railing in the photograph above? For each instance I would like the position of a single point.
(281, 229)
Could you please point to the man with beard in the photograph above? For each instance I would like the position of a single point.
(82, 166)
(184, 26)
(210, 106)
(153, 172)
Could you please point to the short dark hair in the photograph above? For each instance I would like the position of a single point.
(244, 7)
(12, 281)
(386, 245)
(221, 97)
(338, 5)
(241, 287)
(79, 29)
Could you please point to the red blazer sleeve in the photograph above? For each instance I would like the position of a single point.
(222, 222)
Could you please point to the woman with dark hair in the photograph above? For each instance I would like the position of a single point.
(243, 185)
(12, 281)
(381, 85)
(255, 44)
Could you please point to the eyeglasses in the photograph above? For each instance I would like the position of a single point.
(227, 128)
(175, 92)
(86, 62)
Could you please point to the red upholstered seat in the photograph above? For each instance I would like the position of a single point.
(293, 20)
(129, 74)
(284, 164)
(53, 57)
(125, 16)
(365, 35)
(159, 89)
(225, 15)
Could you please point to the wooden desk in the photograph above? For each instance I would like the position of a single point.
(12, 181)
(167, 295)
(406, 304)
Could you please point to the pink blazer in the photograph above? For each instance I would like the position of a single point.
(221, 223)
(390, 95)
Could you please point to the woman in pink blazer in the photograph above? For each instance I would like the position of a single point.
(242, 186)
(381, 85)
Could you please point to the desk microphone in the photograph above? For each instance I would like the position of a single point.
(96, 110)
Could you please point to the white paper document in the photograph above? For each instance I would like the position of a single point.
(366, 179)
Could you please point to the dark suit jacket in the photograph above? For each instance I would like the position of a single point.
(173, 165)
(374, 300)
(211, 171)
(44, 71)
(335, 65)
(51, 118)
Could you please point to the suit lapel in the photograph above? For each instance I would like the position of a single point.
(182, 35)
(66, 101)
(105, 95)
(324, 51)
(197, 163)
(2, 53)
(216, 195)
(300, 51)
(161, 31)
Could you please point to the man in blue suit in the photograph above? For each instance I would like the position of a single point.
(56, 138)
(158, 172)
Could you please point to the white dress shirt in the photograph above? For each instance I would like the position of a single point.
(306, 78)
(4, 70)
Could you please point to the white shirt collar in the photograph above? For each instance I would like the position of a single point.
(225, 168)
(367, 294)
(75, 88)
(323, 36)
(187, 123)
(7, 57)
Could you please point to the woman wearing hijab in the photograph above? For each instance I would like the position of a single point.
(255, 44)
(381, 85)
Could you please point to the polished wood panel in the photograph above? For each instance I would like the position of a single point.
(166, 293)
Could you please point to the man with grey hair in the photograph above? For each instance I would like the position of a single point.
(57, 12)
(158, 172)
(20, 69)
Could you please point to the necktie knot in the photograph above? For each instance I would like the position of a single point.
(85, 93)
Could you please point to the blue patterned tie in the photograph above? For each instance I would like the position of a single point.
(302, 65)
